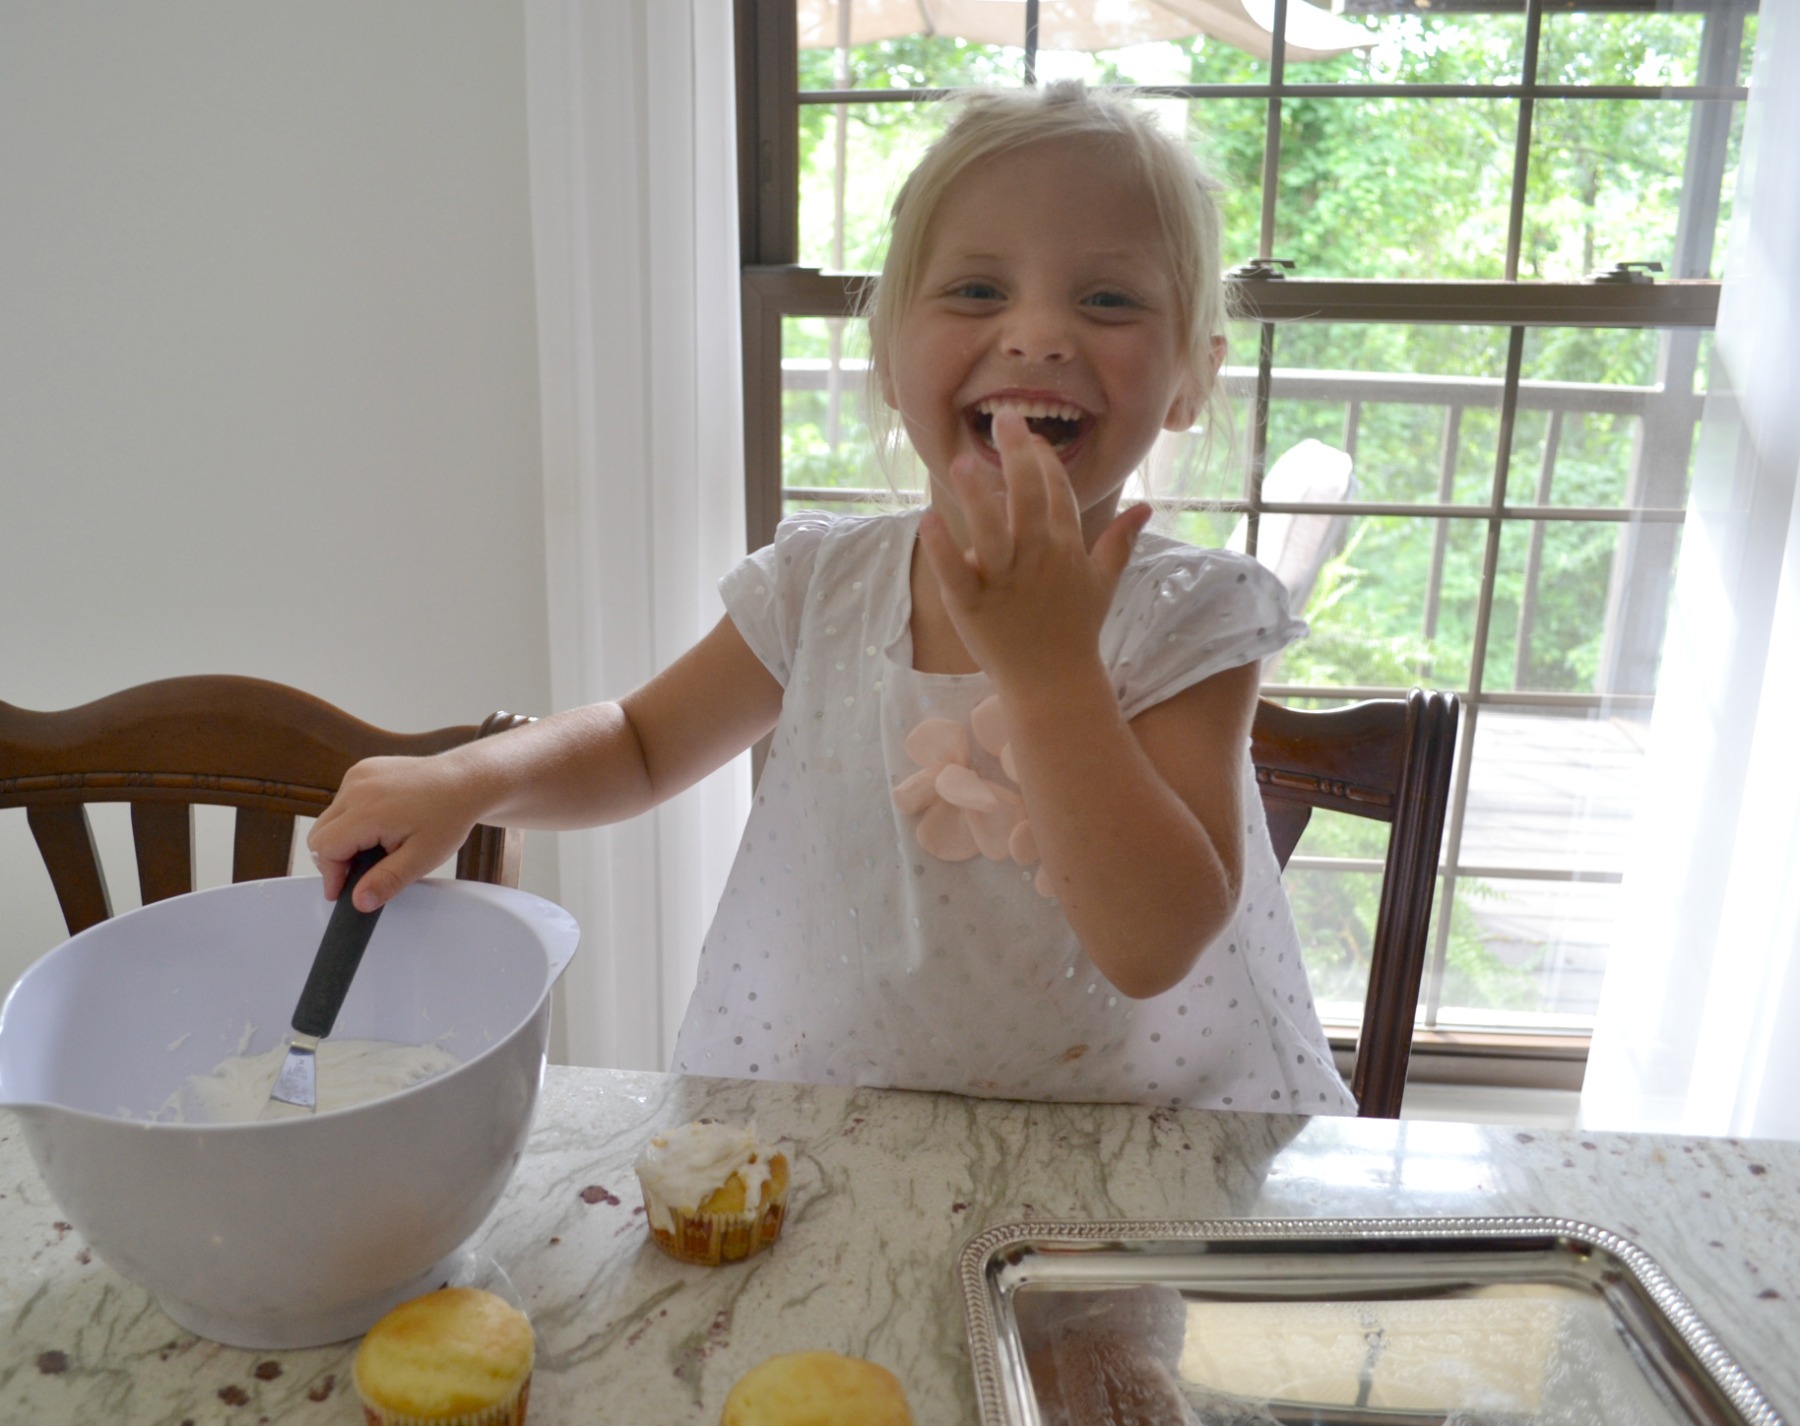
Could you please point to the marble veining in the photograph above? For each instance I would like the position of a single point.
(887, 1187)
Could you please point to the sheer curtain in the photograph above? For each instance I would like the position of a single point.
(633, 173)
(1699, 1021)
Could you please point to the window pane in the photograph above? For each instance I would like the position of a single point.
(1417, 406)
(1337, 834)
(1647, 48)
(1417, 48)
(825, 442)
(1209, 528)
(1525, 955)
(1373, 619)
(1395, 187)
(903, 61)
(1606, 417)
(1609, 178)
(1548, 631)
(1190, 60)
(1227, 136)
(1192, 468)
(1552, 792)
(844, 206)
(1334, 913)
(1580, 606)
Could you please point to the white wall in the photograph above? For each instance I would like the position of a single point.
(268, 381)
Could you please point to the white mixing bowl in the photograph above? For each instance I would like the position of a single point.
(298, 1231)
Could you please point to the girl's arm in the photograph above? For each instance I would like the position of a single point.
(1140, 825)
(602, 763)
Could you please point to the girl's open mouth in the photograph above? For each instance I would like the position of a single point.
(1057, 422)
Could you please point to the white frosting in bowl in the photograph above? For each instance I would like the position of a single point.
(349, 1072)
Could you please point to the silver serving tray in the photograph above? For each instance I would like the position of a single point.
(1339, 1322)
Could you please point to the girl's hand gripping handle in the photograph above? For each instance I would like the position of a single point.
(340, 953)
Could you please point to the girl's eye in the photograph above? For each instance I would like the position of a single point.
(1110, 299)
(976, 291)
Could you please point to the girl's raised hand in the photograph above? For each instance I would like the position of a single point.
(1028, 596)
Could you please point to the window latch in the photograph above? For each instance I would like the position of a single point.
(1261, 269)
(1626, 272)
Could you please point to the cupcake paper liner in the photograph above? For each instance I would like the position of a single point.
(709, 1239)
(510, 1412)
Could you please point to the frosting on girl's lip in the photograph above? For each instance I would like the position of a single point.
(1060, 423)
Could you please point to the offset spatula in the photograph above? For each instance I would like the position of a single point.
(334, 967)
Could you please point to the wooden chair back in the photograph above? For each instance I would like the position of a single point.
(272, 752)
(1388, 759)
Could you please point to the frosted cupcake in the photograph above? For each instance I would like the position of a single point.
(713, 1192)
(455, 1357)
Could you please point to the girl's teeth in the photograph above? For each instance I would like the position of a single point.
(1057, 422)
(1057, 409)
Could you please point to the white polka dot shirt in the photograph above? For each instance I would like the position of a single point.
(843, 953)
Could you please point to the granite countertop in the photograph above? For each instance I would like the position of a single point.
(887, 1187)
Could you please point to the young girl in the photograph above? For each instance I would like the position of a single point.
(1007, 840)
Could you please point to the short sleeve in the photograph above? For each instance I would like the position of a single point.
(766, 593)
(1183, 614)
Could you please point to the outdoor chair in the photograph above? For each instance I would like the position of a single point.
(1388, 759)
(272, 752)
(1295, 547)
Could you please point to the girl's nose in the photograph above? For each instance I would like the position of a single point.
(1037, 334)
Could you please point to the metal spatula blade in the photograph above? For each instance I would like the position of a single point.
(296, 1087)
(334, 967)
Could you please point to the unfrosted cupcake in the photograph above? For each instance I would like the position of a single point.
(456, 1357)
(713, 1192)
(817, 1389)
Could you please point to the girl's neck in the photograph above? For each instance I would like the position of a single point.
(936, 647)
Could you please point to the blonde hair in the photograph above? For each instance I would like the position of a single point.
(987, 123)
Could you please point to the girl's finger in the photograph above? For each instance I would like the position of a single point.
(1039, 494)
(334, 875)
(951, 566)
(1112, 551)
(1021, 462)
(390, 876)
(334, 870)
(984, 514)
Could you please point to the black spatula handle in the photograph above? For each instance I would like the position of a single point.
(340, 952)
